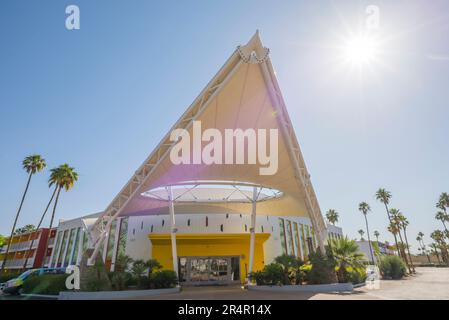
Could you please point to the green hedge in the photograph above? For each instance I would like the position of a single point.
(50, 284)
(392, 267)
(8, 276)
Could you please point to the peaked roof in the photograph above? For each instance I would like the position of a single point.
(243, 94)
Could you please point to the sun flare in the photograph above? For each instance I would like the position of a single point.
(360, 50)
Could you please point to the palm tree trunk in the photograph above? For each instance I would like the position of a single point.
(408, 250)
(394, 235)
(37, 228)
(369, 240)
(424, 247)
(15, 222)
(52, 218)
(404, 256)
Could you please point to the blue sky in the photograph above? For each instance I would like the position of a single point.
(101, 98)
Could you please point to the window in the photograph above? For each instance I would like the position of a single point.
(291, 246)
(63, 247)
(227, 215)
(163, 222)
(261, 228)
(303, 242)
(111, 240)
(246, 228)
(282, 234)
(297, 241)
(74, 258)
(57, 245)
(70, 247)
(221, 228)
(207, 221)
(121, 246)
(152, 227)
(141, 226)
(188, 222)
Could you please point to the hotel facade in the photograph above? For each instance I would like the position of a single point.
(212, 221)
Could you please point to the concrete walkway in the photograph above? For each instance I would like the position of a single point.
(427, 283)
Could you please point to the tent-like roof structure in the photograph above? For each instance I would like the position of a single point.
(243, 94)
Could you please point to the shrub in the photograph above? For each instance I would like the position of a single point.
(392, 267)
(50, 284)
(272, 274)
(323, 269)
(163, 279)
(355, 275)
(259, 277)
(8, 276)
(120, 280)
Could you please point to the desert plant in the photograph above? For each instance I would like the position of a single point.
(323, 269)
(163, 279)
(346, 255)
(50, 284)
(392, 267)
(288, 264)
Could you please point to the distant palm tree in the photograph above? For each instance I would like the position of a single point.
(394, 213)
(377, 234)
(443, 217)
(434, 251)
(403, 222)
(32, 164)
(438, 237)
(332, 216)
(62, 177)
(365, 208)
(361, 232)
(420, 239)
(384, 196)
(443, 202)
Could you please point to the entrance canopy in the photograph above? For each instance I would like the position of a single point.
(243, 95)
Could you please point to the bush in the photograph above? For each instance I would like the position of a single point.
(50, 284)
(120, 280)
(8, 276)
(356, 275)
(163, 279)
(392, 267)
(323, 269)
(272, 275)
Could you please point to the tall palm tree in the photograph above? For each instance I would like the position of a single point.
(361, 233)
(332, 216)
(443, 202)
(384, 196)
(62, 177)
(32, 164)
(434, 251)
(420, 239)
(438, 237)
(365, 208)
(377, 234)
(443, 217)
(394, 213)
(403, 222)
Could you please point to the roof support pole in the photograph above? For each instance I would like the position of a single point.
(173, 229)
(252, 231)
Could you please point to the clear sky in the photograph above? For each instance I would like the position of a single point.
(102, 97)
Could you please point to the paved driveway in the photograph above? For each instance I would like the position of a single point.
(427, 283)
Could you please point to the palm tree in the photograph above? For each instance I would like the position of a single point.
(384, 196)
(138, 268)
(443, 217)
(332, 216)
(32, 164)
(361, 232)
(420, 239)
(377, 234)
(438, 237)
(62, 177)
(365, 208)
(346, 254)
(394, 213)
(434, 251)
(403, 222)
(443, 202)
(152, 264)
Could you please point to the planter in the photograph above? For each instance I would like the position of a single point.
(114, 295)
(316, 288)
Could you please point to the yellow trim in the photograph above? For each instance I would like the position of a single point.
(209, 245)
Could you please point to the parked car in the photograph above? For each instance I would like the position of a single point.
(14, 286)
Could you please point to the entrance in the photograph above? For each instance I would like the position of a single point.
(209, 270)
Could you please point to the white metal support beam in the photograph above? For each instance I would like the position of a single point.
(173, 229)
(252, 231)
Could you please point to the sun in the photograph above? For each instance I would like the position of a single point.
(360, 50)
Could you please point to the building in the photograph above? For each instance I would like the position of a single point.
(384, 248)
(214, 212)
(20, 253)
(334, 232)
